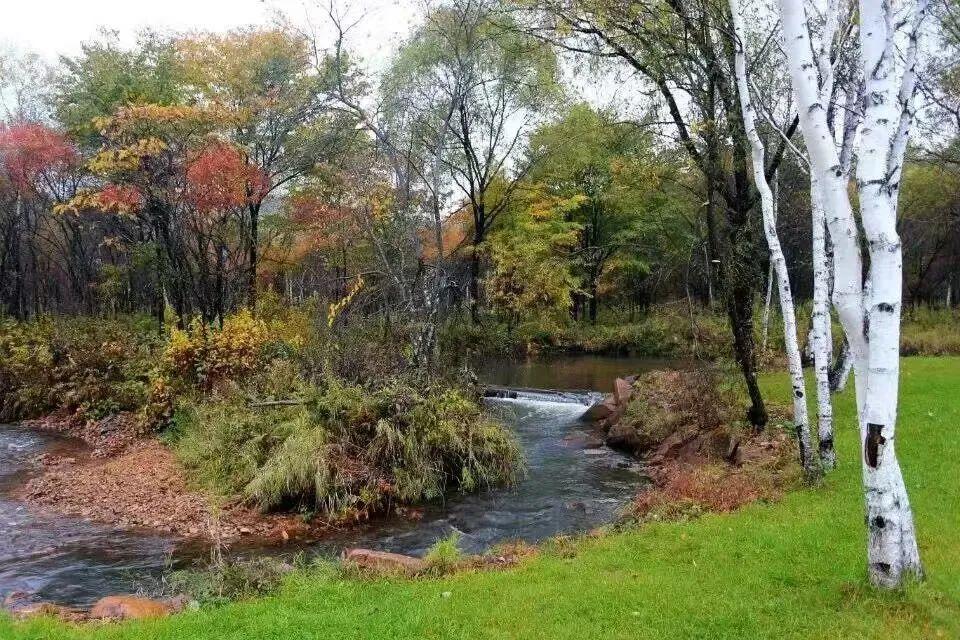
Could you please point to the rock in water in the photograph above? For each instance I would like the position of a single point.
(622, 391)
(383, 561)
(129, 608)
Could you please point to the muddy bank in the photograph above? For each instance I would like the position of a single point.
(143, 486)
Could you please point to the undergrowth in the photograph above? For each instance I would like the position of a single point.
(347, 450)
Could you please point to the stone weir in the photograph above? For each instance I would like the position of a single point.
(578, 397)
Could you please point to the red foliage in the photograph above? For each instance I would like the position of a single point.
(27, 150)
(219, 179)
(310, 211)
(120, 198)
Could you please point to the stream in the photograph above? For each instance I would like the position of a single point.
(571, 485)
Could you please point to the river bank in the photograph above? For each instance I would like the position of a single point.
(570, 486)
(573, 482)
(791, 569)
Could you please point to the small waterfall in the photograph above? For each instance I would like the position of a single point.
(546, 396)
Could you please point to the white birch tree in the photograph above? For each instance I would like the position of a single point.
(869, 313)
(820, 336)
(777, 259)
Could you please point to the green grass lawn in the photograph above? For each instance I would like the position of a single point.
(794, 569)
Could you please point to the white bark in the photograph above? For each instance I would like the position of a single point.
(869, 314)
(765, 322)
(800, 417)
(770, 272)
(821, 334)
(892, 548)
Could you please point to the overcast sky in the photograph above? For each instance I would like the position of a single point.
(53, 28)
(56, 27)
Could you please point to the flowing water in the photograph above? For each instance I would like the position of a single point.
(58, 558)
(572, 484)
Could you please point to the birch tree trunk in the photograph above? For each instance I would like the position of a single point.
(770, 273)
(821, 335)
(870, 314)
(800, 417)
(892, 548)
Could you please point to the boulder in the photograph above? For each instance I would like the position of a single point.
(383, 561)
(625, 437)
(130, 608)
(601, 411)
(583, 440)
(622, 391)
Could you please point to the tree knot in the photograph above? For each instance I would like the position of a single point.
(873, 444)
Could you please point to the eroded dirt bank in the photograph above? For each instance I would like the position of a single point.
(131, 481)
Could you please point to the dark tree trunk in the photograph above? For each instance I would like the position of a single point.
(253, 254)
(475, 285)
(593, 303)
(740, 286)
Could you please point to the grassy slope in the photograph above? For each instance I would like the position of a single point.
(790, 570)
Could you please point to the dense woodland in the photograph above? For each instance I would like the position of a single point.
(195, 169)
(281, 215)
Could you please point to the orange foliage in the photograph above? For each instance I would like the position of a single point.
(219, 178)
(456, 229)
(118, 198)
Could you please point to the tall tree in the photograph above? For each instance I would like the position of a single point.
(779, 262)
(284, 126)
(684, 49)
(613, 167)
(106, 76)
(504, 80)
(870, 314)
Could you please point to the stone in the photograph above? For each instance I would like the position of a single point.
(129, 608)
(625, 437)
(622, 391)
(583, 440)
(601, 410)
(383, 561)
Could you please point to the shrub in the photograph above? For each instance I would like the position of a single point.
(348, 450)
(229, 580)
(226, 443)
(91, 366)
(930, 332)
(206, 356)
(666, 331)
(445, 556)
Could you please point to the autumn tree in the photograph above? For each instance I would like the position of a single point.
(37, 166)
(494, 82)
(612, 167)
(144, 168)
(283, 125)
(106, 76)
(531, 275)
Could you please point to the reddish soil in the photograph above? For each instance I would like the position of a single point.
(137, 483)
(106, 437)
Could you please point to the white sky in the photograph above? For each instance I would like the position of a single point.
(58, 27)
(52, 28)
